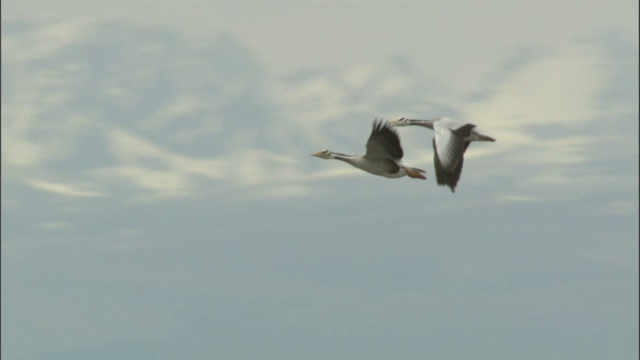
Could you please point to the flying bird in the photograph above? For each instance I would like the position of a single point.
(383, 155)
(452, 137)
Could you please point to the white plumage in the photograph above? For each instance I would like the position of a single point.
(450, 141)
(383, 156)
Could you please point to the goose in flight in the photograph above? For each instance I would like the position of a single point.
(383, 155)
(452, 137)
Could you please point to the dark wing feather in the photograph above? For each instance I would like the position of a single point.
(384, 142)
(464, 130)
(446, 177)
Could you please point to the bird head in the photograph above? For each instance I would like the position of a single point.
(324, 154)
(400, 122)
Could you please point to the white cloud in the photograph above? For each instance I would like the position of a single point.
(134, 151)
(65, 189)
(537, 115)
(45, 41)
(183, 105)
(558, 90)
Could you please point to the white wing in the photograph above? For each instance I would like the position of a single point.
(449, 146)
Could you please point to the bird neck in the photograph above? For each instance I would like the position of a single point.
(425, 123)
(343, 157)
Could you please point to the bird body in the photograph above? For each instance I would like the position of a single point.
(383, 156)
(451, 140)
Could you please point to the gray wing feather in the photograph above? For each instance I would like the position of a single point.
(384, 142)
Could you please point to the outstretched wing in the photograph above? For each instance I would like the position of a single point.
(384, 142)
(444, 176)
(449, 144)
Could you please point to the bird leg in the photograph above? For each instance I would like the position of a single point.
(414, 174)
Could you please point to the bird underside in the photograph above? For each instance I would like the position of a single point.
(388, 168)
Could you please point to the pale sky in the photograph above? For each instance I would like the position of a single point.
(159, 200)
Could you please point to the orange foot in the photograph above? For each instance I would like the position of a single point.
(414, 174)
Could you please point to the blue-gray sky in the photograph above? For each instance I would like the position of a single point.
(159, 200)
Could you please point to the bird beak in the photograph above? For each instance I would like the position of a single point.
(316, 154)
(487, 138)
